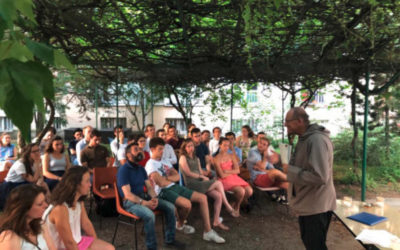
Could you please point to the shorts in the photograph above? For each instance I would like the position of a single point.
(172, 193)
(85, 242)
(263, 180)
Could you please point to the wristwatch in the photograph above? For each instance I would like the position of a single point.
(140, 201)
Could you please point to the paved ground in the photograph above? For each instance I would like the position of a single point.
(267, 226)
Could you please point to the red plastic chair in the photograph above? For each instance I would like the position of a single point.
(123, 213)
(3, 175)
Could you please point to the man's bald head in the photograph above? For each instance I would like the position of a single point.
(299, 113)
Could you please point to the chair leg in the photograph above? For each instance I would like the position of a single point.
(136, 243)
(115, 231)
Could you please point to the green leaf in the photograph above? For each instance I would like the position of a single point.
(41, 51)
(26, 8)
(61, 60)
(15, 105)
(14, 49)
(3, 27)
(8, 11)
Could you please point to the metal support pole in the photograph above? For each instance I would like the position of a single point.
(365, 137)
(283, 117)
(231, 107)
(96, 105)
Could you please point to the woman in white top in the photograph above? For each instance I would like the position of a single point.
(66, 217)
(21, 226)
(28, 169)
(55, 162)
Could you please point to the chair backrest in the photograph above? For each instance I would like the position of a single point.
(3, 175)
(117, 199)
(103, 176)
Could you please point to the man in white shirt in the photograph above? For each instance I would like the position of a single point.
(83, 143)
(117, 143)
(169, 153)
(163, 176)
(214, 142)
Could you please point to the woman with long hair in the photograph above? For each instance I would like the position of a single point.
(28, 169)
(21, 225)
(194, 178)
(55, 162)
(227, 169)
(245, 140)
(66, 217)
(141, 140)
(8, 152)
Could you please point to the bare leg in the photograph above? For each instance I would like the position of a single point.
(239, 193)
(100, 244)
(202, 200)
(183, 206)
(220, 188)
(217, 205)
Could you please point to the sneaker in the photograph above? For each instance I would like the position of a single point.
(213, 236)
(175, 244)
(186, 229)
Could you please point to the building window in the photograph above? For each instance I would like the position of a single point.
(57, 123)
(251, 97)
(179, 124)
(238, 123)
(110, 122)
(6, 124)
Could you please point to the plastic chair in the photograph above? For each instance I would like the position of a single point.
(132, 218)
(3, 175)
(101, 177)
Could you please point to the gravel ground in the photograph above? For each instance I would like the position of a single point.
(268, 226)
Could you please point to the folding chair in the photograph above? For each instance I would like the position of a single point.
(123, 213)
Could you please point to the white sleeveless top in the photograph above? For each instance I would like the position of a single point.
(74, 218)
(42, 245)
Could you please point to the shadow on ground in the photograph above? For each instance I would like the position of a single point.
(268, 226)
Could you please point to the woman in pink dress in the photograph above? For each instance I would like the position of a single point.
(228, 169)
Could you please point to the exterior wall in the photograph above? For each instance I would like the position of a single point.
(264, 115)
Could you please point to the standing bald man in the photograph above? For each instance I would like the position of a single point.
(311, 191)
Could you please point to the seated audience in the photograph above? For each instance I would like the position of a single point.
(166, 127)
(141, 140)
(121, 155)
(95, 155)
(83, 143)
(235, 151)
(202, 153)
(47, 137)
(169, 153)
(164, 176)
(227, 169)
(8, 152)
(72, 146)
(66, 217)
(131, 181)
(189, 130)
(149, 132)
(245, 141)
(173, 139)
(205, 137)
(117, 143)
(21, 224)
(189, 164)
(28, 169)
(273, 156)
(262, 172)
(54, 162)
(214, 142)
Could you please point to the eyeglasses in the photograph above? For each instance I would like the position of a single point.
(287, 121)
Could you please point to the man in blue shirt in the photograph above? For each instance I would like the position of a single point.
(237, 152)
(202, 152)
(131, 180)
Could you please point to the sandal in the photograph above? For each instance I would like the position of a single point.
(234, 213)
(222, 226)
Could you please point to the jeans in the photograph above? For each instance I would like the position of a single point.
(148, 218)
(313, 230)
